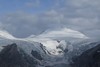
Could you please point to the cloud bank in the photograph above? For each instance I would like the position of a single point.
(80, 15)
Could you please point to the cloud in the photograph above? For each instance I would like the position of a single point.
(80, 15)
(21, 24)
(32, 4)
(93, 34)
(84, 3)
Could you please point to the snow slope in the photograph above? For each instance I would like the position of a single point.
(5, 34)
(64, 32)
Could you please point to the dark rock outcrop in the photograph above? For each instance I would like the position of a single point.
(36, 55)
(89, 58)
(11, 56)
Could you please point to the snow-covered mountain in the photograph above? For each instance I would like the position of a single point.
(51, 47)
(50, 38)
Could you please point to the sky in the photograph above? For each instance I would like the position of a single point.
(23, 18)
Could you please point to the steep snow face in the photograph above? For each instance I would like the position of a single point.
(51, 46)
(5, 34)
(64, 32)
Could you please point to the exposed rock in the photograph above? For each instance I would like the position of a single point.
(11, 56)
(89, 58)
(36, 55)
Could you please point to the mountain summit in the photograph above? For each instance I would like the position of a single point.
(63, 32)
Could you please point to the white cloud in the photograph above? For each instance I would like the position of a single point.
(33, 3)
(83, 3)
